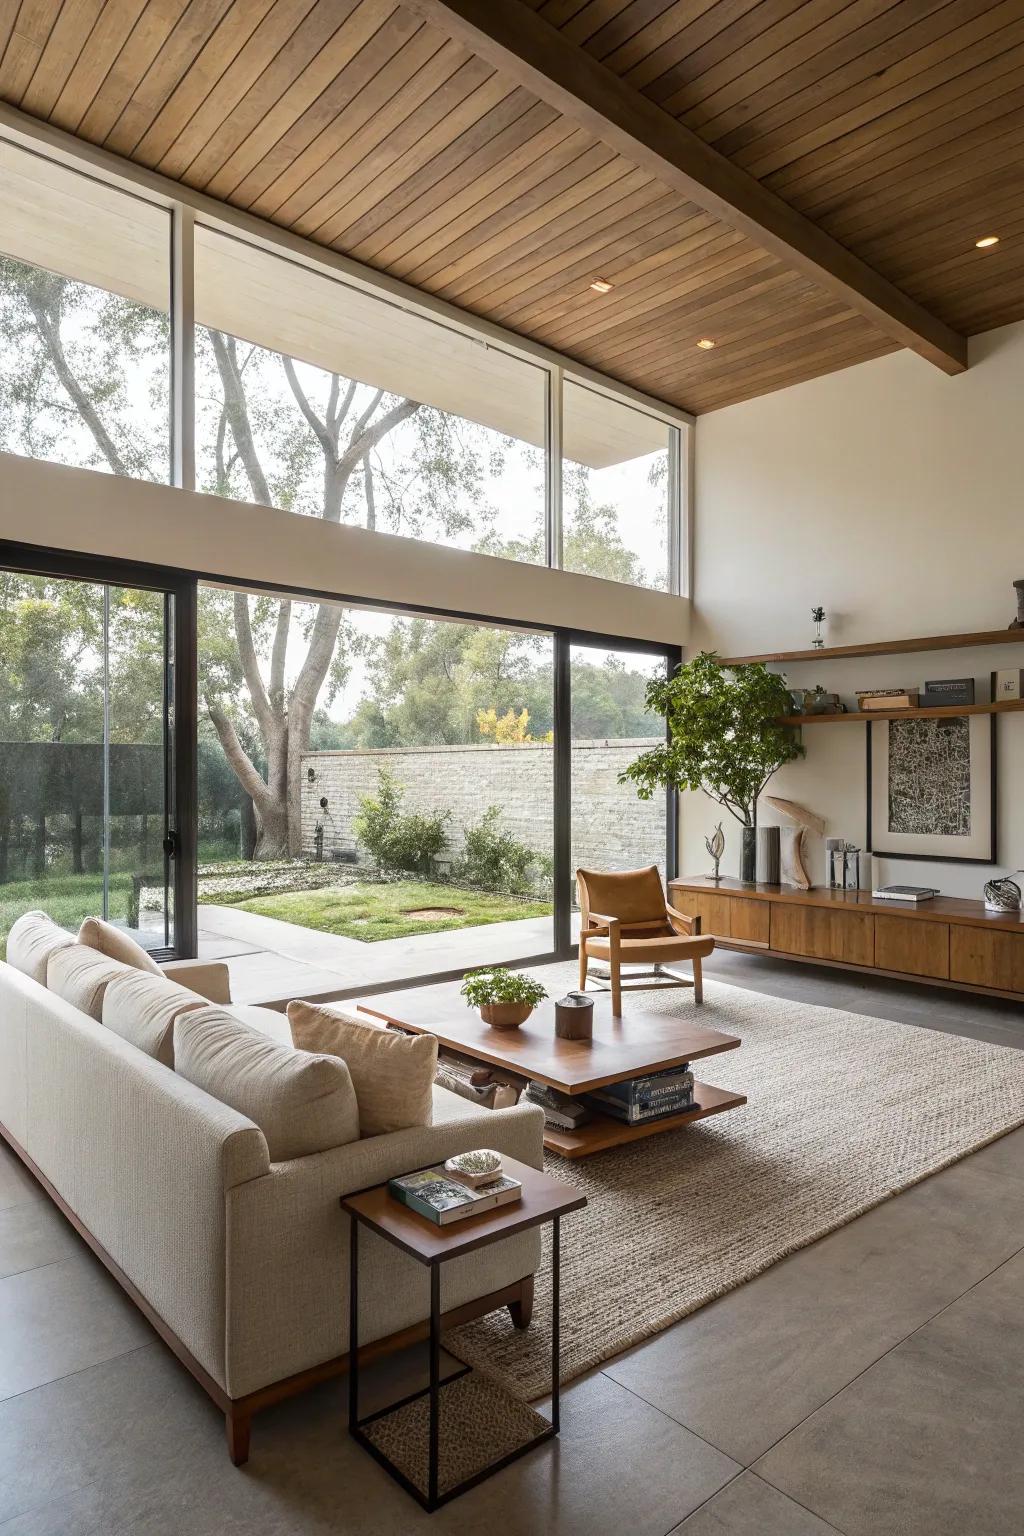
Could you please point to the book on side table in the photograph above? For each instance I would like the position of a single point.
(442, 1199)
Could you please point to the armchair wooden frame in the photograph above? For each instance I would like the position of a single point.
(641, 926)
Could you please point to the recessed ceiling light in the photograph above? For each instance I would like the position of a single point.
(601, 285)
(986, 241)
(705, 343)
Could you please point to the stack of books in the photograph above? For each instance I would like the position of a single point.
(560, 1111)
(639, 1099)
(888, 698)
(915, 893)
(442, 1198)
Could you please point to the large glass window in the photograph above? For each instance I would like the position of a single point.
(85, 754)
(317, 397)
(84, 321)
(611, 828)
(617, 490)
(376, 793)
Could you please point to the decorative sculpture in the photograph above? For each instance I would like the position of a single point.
(793, 870)
(1018, 622)
(715, 845)
(818, 615)
(1003, 894)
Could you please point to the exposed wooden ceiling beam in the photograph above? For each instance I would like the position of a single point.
(528, 50)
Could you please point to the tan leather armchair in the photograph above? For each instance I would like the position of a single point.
(625, 919)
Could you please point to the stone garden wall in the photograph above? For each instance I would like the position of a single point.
(611, 828)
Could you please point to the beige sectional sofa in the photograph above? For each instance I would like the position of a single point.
(241, 1263)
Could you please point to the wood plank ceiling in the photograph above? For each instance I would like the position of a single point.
(897, 125)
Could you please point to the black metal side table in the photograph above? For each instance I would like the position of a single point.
(543, 1200)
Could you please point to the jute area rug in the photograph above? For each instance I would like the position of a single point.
(844, 1111)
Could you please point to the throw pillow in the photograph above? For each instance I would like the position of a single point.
(393, 1074)
(116, 945)
(301, 1103)
(142, 1010)
(31, 942)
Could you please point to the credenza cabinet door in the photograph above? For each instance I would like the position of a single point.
(726, 917)
(986, 958)
(823, 933)
(912, 945)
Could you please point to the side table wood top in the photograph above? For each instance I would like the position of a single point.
(543, 1198)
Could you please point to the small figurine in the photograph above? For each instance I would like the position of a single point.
(715, 845)
(818, 615)
(1018, 622)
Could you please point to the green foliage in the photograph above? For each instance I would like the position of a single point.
(497, 861)
(394, 840)
(725, 736)
(495, 984)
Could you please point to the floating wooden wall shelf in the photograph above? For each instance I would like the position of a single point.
(933, 712)
(887, 647)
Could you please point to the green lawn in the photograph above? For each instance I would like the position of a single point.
(372, 912)
(65, 898)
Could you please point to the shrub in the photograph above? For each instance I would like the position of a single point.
(497, 861)
(498, 985)
(398, 842)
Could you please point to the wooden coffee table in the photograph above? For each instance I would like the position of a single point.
(629, 1046)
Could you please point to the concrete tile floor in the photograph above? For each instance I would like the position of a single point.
(868, 1386)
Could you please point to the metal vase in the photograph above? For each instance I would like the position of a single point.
(748, 854)
(769, 856)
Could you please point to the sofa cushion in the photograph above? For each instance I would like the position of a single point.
(32, 940)
(393, 1074)
(116, 945)
(81, 975)
(266, 1021)
(302, 1104)
(142, 1010)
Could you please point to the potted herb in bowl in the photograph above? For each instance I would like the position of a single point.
(505, 998)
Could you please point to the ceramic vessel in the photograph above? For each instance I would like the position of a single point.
(574, 1017)
(505, 1015)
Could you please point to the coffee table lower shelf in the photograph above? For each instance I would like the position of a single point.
(603, 1131)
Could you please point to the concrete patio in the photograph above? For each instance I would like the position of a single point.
(271, 961)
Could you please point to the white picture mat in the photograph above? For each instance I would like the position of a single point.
(978, 845)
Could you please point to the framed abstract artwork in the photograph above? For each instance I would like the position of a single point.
(932, 788)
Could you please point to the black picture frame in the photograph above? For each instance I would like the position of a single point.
(870, 841)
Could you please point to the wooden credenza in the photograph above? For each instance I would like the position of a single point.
(948, 942)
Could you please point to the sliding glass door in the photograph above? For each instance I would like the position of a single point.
(610, 726)
(91, 775)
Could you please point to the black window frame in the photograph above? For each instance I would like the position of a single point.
(183, 585)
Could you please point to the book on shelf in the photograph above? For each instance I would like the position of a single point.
(560, 1109)
(443, 1199)
(913, 893)
(641, 1114)
(948, 690)
(897, 698)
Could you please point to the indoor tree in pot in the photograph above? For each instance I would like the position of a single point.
(505, 998)
(726, 736)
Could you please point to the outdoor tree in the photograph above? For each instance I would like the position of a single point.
(84, 378)
(276, 433)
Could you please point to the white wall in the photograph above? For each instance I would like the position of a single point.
(88, 512)
(894, 497)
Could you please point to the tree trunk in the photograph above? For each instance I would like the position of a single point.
(39, 847)
(76, 844)
(271, 831)
(248, 830)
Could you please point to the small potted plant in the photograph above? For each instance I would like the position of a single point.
(505, 998)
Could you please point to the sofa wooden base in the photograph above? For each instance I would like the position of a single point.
(238, 1412)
